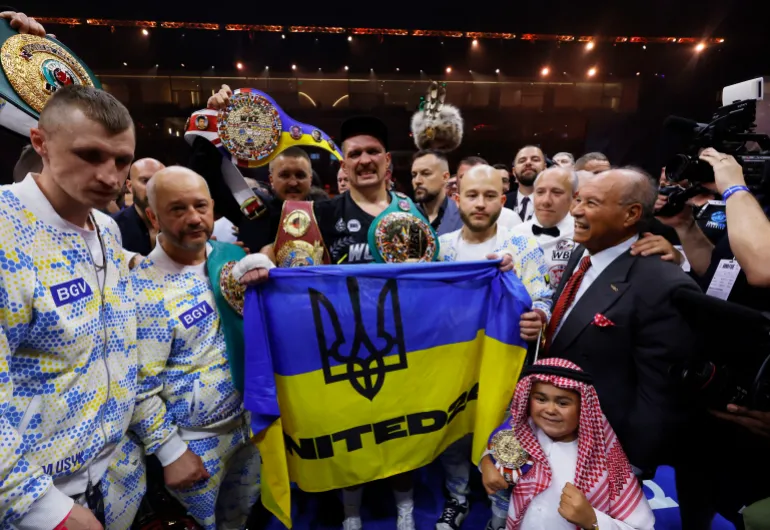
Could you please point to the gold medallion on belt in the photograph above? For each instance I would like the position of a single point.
(299, 253)
(507, 450)
(36, 67)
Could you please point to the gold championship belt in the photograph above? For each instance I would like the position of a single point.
(510, 458)
(401, 234)
(299, 242)
(33, 68)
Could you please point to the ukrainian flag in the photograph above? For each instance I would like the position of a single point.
(374, 371)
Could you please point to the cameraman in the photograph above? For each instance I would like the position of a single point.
(736, 268)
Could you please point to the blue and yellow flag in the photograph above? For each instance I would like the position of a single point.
(374, 371)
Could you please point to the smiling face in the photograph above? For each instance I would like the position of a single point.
(555, 411)
(529, 163)
(553, 196)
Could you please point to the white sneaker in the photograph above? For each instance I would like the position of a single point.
(352, 523)
(405, 521)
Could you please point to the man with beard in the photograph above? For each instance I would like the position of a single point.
(508, 218)
(290, 178)
(343, 184)
(135, 227)
(430, 174)
(527, 165)
(192, 415)
(480, 200)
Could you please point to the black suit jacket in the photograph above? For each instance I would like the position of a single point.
(630, 361)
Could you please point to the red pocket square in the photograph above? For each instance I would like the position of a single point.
(602, 321)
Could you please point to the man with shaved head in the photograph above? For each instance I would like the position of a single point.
(480, 200)
(552, 225)
(135, 227)
(614, 315)
(191, 407)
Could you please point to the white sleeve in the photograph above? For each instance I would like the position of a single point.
(509, 218)
(641, 518)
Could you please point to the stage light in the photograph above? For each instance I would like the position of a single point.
(239, 66)
(125, 64)
(170, 131)
(159, 65)
(475, 43)
(638, 73)
(590, 45)
(145, 32)
(592, 72)
(545, 71)
(399, 69)
(267, 68)
(449, 69)
(294, 67)
(283, 36)
(644, 47)
(346, 68)
(497, 71)
(182, 65)
(700, 47)
(350, 38)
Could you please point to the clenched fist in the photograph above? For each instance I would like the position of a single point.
(221, 99)
(185, 471)
(574, 507)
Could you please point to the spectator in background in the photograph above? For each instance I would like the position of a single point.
(29, 162)
(527, 165)
(594, 162)
(503, 169)
(343, 183)
(430, 172)
(135, 227)
(467, 163)
(564, 159)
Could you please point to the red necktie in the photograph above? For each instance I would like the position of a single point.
(567, 297)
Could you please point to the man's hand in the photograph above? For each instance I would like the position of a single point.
(185, 471)
(252, 269)
(491, 478)
(754, 420)
(650, 245)
(727, 171)
(23, 24)
(531, 324)
(82, 519)
(221, 99)
(683, 219)
(506, 265)
(575, 508)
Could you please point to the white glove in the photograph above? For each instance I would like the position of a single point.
(251, 262)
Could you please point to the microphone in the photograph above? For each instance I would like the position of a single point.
(684, 125)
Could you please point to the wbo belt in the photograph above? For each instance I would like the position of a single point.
(251, 132)
(299, 242)
(31, 69)
(401, 234)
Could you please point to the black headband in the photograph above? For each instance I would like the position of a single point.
(558, 371)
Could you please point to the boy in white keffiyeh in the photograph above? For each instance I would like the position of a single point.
(576, 474)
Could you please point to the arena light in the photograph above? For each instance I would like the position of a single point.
(475, 43)
(592, 72)
(545, 71)
(239, 66)
(700, 47)
(145, 32)
(449, 69)
(590, 45)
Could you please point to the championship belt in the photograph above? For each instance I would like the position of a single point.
(299, 242)
(31, 70)
(251, 132)
(510, 458)
(401, 234)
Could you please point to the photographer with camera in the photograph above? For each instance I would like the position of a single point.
(735, 269)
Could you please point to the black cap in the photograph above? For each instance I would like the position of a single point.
(364, 126)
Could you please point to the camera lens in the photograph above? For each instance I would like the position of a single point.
(676, 168)
(684, 167)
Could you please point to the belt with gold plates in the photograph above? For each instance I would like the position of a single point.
(299, 242)
(401, 234)
(250, 132)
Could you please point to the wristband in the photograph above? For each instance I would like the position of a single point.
(733, 189)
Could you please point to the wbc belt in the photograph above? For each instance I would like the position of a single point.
(401, 234)
(251, 132)
(299, 242)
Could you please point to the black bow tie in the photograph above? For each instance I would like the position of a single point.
(553, 231)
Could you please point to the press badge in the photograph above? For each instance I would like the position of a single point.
(724, 279)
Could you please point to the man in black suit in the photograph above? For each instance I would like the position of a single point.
(614, 316)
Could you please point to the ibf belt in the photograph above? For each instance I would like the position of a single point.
(299, 242)
(251, 132)
(401, 234)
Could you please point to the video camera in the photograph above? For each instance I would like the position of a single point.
(732, 363)
(731, 128)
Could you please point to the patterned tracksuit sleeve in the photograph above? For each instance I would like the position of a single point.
(154, 339)
(27, 495)
(532, 269)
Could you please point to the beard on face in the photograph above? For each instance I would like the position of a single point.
(141, 202)
(478, 225)
(527, 178)
(178, 238)
(426, 196)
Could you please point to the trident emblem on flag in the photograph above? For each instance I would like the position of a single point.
(366, 363)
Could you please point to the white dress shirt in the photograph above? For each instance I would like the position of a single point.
(508, 219)
(599, 262)
(557, 250)
(524, 213)
(543, 512)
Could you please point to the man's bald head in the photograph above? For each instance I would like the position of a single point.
(553, 191)
(485, 174)
(145, 167)
(563, 175)
(140, 174)
(181, 208)
(612, 206)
